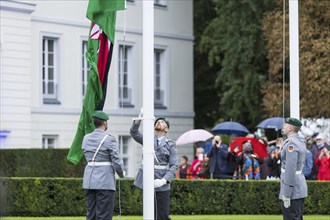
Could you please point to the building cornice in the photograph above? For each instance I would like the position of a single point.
(120, 112)
(61, 21)
(119, 29)
(23, 7)
(158, 34)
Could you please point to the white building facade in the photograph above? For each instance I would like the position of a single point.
(44, 73)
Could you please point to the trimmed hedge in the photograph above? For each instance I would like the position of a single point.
(38, 163)
(65, 197)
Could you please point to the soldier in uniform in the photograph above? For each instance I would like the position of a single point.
(166, 165)
(293, 184)
(102, 156)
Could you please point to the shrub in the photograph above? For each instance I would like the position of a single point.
(65, 197)
(38, 163)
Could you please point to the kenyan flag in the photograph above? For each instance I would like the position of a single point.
(102, 14)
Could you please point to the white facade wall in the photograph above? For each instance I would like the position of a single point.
(15, 81)
(22, 109)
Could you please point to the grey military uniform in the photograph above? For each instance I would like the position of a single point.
(293, 183)
(101, 176)
(166, 155)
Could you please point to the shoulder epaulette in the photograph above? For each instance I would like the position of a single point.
(170, 141)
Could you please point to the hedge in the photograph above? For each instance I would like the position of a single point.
(38, 163)
(65, 197)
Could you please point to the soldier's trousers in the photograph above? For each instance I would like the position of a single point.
(99, 204)
(295, 211)
(162, 205)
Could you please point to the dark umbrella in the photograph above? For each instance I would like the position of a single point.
(272, 123)
(230, 127)
(258, 148)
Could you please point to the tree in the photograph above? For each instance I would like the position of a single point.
(314, 49)
(205, 98)
(235, 46)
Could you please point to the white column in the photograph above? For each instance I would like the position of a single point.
(148, 110)
(294, 58)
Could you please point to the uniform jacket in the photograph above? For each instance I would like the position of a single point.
(293, 185)
(166, 154)
(101, 177)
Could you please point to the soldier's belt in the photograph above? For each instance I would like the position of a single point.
(99, 163)
(161, 167)
(297, 172)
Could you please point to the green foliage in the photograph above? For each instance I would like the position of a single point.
(206, 99)
(234, 43)
(314, 55)
(38, 163)
(65, 197)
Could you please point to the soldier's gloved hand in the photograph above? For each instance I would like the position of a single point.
(159, 182)
(286, 201)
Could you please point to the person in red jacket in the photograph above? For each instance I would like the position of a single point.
(196, 165)
(324, 162)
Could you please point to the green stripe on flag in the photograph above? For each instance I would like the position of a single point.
(102, 13)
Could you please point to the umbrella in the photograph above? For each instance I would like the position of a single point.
(230, 127)
(193, 136)
(272, 123)
(258, 148)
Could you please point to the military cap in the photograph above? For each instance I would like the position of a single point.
(164, 119)
(100, 115)
(293, 121)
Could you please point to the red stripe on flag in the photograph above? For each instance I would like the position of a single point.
(103, 57)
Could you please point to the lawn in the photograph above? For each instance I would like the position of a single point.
(183, 217)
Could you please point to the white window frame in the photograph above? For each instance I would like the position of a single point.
(52, 98)
(84, 68)
(46, 139)
(128, 100)
(124, 144)
(161, 77)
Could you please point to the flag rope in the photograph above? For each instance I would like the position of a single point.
(122, 102)
(283, 60)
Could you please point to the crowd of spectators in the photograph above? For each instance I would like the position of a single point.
(222, 162)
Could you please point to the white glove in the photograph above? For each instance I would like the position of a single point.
(286, 201)
(124, 173)
(140, 117)
(159, 182)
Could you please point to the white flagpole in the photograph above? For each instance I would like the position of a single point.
(294, 58)
(148, 110)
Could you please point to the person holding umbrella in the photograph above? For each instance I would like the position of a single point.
(293, 183)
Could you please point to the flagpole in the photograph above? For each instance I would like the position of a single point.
(148, 110)
(294, 58)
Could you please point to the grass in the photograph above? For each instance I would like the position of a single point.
(183, 217)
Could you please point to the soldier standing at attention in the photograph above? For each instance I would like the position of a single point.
(166, 165)
(102, 156)
(293, 183)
